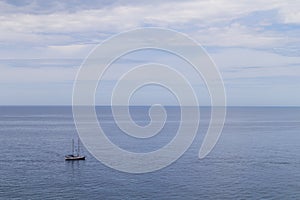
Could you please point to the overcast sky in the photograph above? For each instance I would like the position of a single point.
(255, 44)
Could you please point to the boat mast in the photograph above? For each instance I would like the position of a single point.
(72, 146)
(78, 148)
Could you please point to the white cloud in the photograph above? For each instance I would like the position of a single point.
(63, 30)
(237, 35)
(290, 12)
(200, 15)
(68, 51)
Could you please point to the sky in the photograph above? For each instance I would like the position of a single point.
(255, 44)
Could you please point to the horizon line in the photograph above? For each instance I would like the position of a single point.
(145, 105)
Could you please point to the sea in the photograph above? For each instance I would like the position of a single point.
(257, 156)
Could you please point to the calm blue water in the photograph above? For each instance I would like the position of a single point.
(257, 157)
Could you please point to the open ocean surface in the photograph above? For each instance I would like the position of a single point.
(256, 157)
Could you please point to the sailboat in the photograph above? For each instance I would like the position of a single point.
(74, 156)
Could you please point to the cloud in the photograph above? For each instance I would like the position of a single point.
(248, 63)
(237, 35)
(249, 40)
(207, 17)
